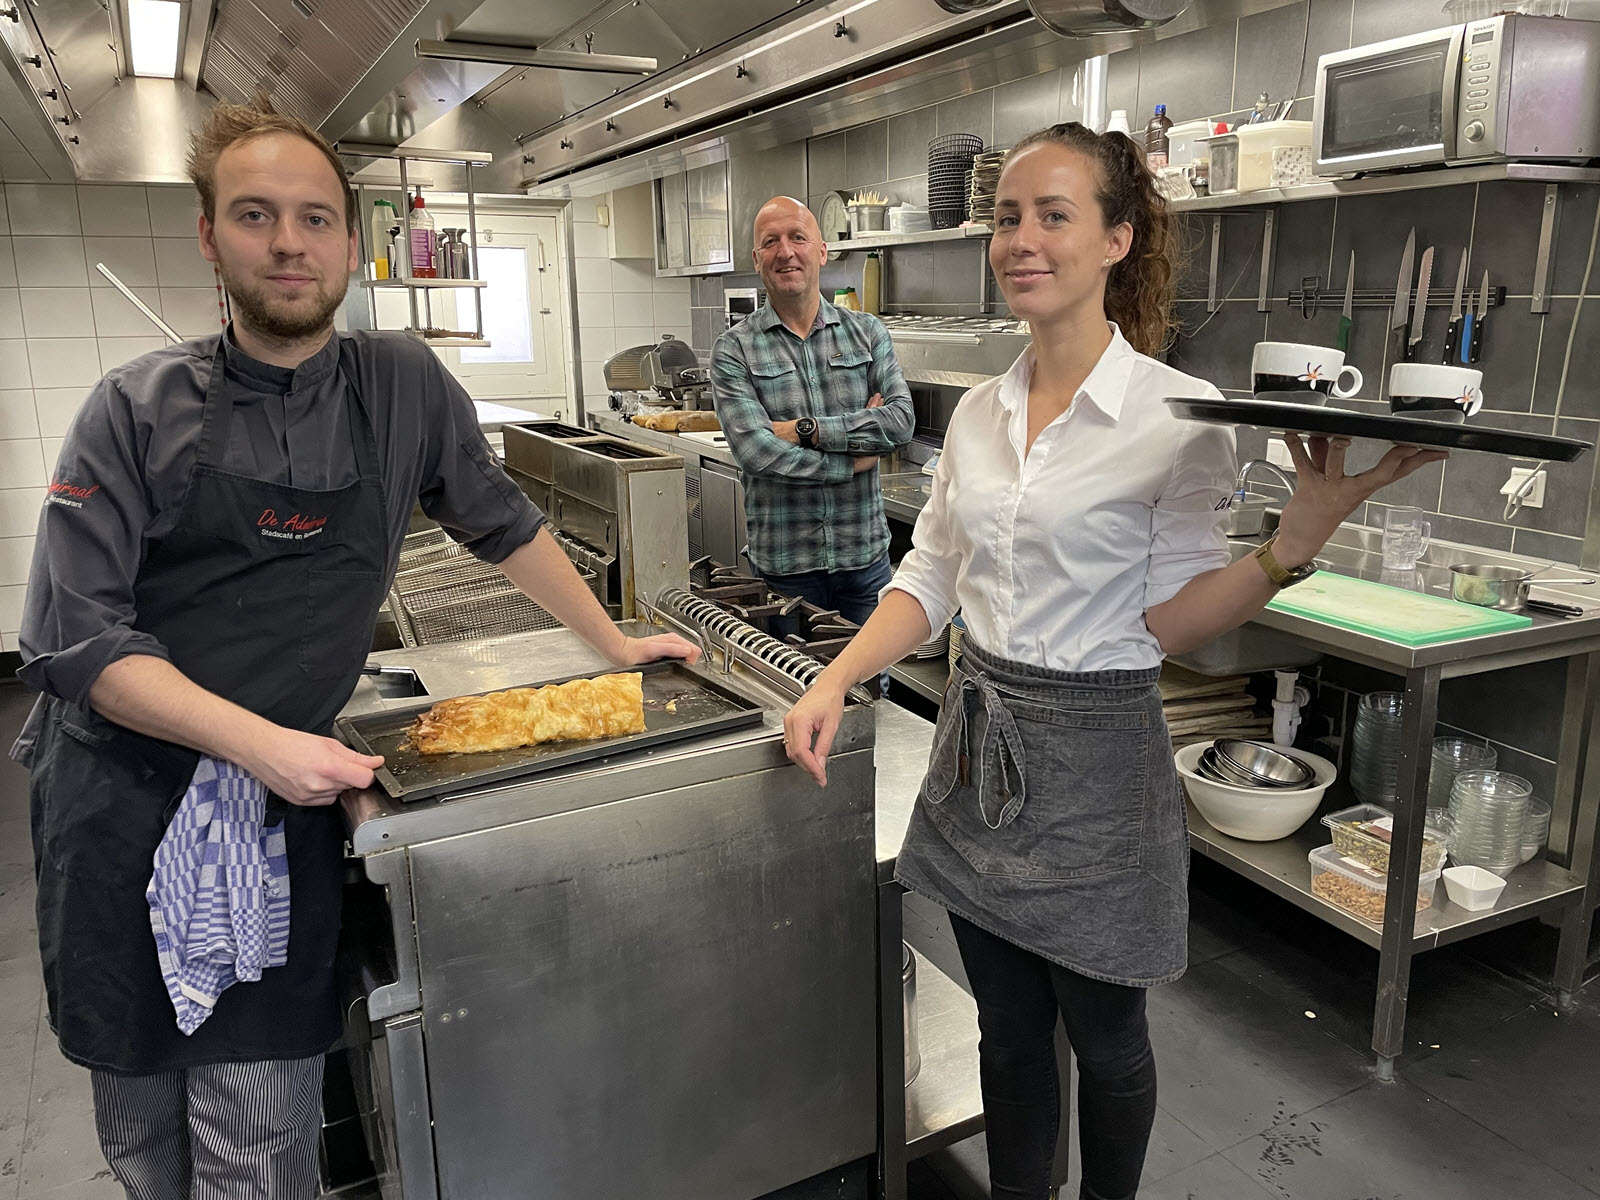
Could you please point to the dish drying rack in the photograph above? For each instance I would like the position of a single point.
(726, 640)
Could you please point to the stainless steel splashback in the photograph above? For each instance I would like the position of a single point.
(955, 351)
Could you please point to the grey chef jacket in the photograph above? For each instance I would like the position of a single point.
(120, 479)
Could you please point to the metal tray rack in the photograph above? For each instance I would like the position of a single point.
(679, 703)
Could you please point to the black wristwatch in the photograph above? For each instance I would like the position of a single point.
(806, 430)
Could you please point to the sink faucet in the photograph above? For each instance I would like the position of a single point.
(1260, 464)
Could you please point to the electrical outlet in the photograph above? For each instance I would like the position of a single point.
(1278, 454)
(1519, 476)
(602, 216)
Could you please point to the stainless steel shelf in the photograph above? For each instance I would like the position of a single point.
(1373, 185)
(398, 284)
(944, 1103)
(924, 676)
(878, 241)
(1282, 868)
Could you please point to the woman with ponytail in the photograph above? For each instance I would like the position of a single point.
(1076, 524)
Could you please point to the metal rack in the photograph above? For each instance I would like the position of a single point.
(413, 287)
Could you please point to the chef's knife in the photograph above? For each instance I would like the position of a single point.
(1401, 315)
(1452, 337)
(1345, 316)
(1475, 346)
(1419, 308)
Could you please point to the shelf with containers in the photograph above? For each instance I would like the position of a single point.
(419, 289)
(1564, 887)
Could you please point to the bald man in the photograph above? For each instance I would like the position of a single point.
(809, 396)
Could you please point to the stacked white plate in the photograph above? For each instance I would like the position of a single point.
(934, 647)
(958, 629)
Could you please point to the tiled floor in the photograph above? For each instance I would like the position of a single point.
(1266, 1088)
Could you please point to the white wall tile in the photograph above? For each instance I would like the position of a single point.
(113, 211)
(42, 208)
(637, 335)
(594, 385)
(57, 313)
(21, 465)
(56, 407)
(16, 555)
(179, 263)
(19, 512)
(8, 643)
(191, 311)
(14, 370)
(672, 285)
(671, 310)
(590, 241)
(50, 261)
(10, 313)
(633, 275)
(52, 451)
(583, 208)
(115, 315)
(64, 362)
(593, 275)
(11, 597)
(599, 342)
(132, 260)
(17, 418)
(594, 308)
(634, 308)
(5, 221)
(173, 211)
(116, 351)
(8, 264)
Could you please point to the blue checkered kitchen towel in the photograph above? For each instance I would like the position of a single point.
(219, 895)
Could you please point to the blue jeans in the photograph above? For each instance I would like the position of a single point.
(853, 594)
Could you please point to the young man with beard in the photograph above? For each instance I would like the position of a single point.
(224, 520)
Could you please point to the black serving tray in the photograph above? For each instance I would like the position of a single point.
(1407, 431)
(699, 707)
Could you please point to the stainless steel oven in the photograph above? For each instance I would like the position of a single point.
(1506, 88)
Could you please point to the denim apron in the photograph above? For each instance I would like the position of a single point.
(1051, 816)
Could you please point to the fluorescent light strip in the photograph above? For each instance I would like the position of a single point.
(153, 35)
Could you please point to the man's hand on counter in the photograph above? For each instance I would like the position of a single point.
(634, 651)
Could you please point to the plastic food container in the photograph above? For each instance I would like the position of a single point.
(1241, 161)
(1363, 833)
(1186, 142)
(1348, 884)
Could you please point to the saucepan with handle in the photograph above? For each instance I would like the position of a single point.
(1502, 588)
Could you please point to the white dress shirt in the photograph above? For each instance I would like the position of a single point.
(1054, 557)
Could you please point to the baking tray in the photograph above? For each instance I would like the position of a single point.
(699, 707)
(1338, 422)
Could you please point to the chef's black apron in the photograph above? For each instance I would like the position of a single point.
(266, 595)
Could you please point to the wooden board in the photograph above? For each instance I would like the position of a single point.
(1180, 683)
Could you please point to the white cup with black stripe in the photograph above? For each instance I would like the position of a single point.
(1430, 392)
(1295, 373)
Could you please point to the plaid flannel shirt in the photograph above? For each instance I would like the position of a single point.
(805, 509)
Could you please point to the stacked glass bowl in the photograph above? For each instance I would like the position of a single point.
(1489, 812)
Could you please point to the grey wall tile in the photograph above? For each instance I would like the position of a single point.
(1582, 395)
(1024, 105)
(1375, 228)
(911, 277)
(1574, 224)
(825, 164)
(1379, 20)
(1505, 237)
(1216, 347)
(1535, 543)
(1271, 47)
(1194, 267)
(703, 327)
(956, 273)
(1421, 487)
(1511, 349)
(968, 114)
(1191, 74)
(705, 291)
(1472, 485)
(866, 150)
(909, 135)
(1305, 247)
(1467, 532)
(1122, 82)
(1330, 31)
(911, 189)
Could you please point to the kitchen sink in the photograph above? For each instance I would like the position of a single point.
(397, 683)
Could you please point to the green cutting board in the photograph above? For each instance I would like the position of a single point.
(1410, 618)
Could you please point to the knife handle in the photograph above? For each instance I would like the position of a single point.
(1468, 332)
(1397, 344)
(1475, 343)
(1342, 342)
(1452, 341)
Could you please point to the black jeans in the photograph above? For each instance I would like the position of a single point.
(1019, 995)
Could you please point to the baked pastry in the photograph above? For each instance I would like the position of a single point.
(677, 421)
(605, 706)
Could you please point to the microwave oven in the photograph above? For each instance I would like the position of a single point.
(1510, 88)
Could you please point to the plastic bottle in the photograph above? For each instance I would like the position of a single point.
(383, 219)
(872, 285)
(846, 298)
(1118, 122)
(1156, 143)
(422, 242)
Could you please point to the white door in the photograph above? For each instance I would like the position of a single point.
(522, 319)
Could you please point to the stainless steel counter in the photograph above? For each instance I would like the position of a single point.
(618, 425)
